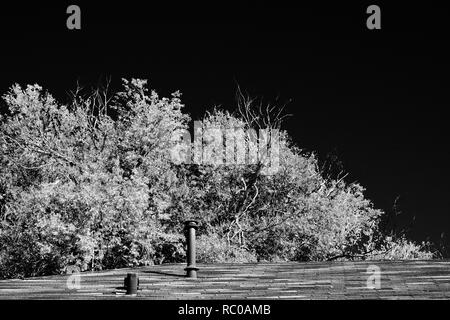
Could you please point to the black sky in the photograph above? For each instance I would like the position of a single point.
(378, 99)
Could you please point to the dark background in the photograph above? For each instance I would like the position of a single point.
(375, 98)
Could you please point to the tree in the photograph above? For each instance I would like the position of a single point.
(93, 183)
(294, 214)
(79, 187)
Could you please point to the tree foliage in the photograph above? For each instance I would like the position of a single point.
(93, 184)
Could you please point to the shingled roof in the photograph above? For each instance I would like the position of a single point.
(322, 280)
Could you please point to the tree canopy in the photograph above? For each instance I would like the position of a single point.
(93, 183)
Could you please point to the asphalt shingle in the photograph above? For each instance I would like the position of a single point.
(326, 280)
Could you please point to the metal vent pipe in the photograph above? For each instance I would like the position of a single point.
(190, 226)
